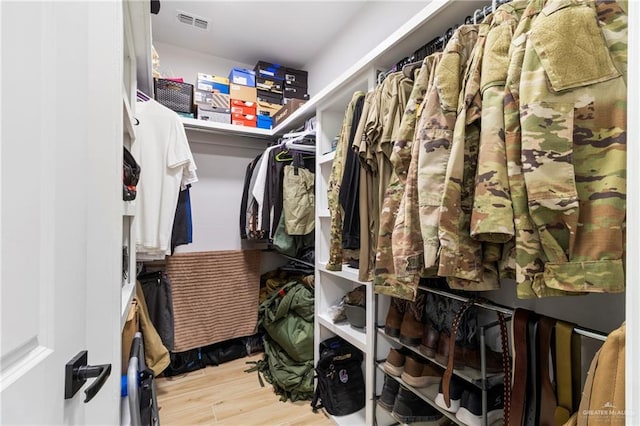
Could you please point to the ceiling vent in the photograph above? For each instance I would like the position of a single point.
(193, 21)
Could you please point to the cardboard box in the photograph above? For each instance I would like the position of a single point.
(244, 120)
(269, 85)
(264, 122)
(272, 98)
(243, 77)
(295, 77)
(269, 70)
(296, 93)
(267, 109)
(243, 93)
(242, 107)
(217, 101)
(212, 83)
(210, 114)
(288, 109)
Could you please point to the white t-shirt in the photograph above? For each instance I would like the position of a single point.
(166, 164)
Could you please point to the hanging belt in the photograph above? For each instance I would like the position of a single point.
(546, 394)
(568, 371)
(519, 323)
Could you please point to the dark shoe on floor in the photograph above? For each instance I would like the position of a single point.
(442, 356)
(470, 411)
(410, 408)
(456, 389)
(393, 321)
(394, 364)
(430, 338)
(420, 374)
(389, 393)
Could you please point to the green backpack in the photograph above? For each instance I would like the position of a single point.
(287, 317)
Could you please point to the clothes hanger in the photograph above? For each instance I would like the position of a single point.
(280, 157)
(141, 96)
(409, 69)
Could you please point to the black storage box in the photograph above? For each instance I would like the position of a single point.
(269, 97)
(295, 77)
(295, 92)
(268, 70)
(174, 95)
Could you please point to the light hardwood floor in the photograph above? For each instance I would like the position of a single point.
(226, 395)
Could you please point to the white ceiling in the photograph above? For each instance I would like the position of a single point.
(284, 32)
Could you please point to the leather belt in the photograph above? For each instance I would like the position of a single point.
(546, 395)
(531, 414)
(568, 371)
(506, 367)
(446, 378)
(519, 323)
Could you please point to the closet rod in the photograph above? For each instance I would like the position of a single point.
(592, 334)
(481, 304)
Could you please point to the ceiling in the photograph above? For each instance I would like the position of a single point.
(286, 32)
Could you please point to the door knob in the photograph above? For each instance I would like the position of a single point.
(77, 371)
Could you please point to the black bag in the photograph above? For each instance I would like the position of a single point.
(340, 383)
(184, 362)
(130, 175)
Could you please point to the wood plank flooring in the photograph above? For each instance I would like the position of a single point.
(226, 395)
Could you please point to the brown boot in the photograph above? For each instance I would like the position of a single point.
(420, 374)
(412, 328)
(394, 317)
(471, 356)
(430, 338)
(394, 365)
(443, 352)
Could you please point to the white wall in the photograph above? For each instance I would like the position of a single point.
(178, 62)
(375, 23)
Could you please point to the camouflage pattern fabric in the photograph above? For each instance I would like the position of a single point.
(385, 280)
(406, 239)
(492, 214)
(462, 259)
(435, 138)
(573, 146)
(333, 190)
(528, 253)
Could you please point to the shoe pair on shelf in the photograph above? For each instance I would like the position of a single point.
(404, 405)
(466, 402)
(413, 370)
(404, 320)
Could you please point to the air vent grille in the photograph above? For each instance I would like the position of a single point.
(193, 21)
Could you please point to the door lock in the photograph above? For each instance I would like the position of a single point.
(76, 373)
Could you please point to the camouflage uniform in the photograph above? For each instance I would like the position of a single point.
(333, 190)
(573, 146)
(436, 136)
(528, 252)
(468, 264)
(385, 279)
(406, 237)
(492, 214)
(383, 121)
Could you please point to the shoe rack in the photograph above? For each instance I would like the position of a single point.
(477, 378)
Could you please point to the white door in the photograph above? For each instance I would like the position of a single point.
(60, 208)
